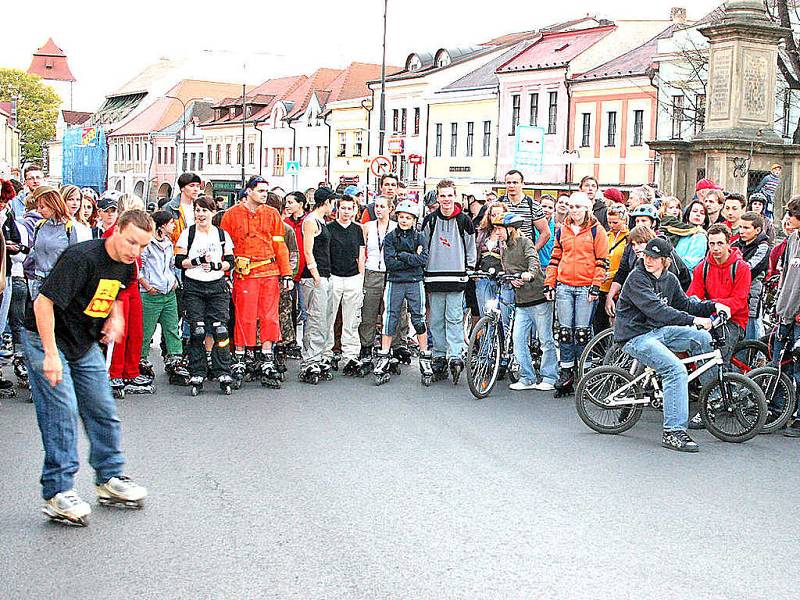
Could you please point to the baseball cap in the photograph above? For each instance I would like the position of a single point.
(108, 200)
(706, 184)
(658, 248)
(351, 190)
(322, 195)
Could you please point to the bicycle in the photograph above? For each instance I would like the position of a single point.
(610, 399)
(778, 387)
(490, 348)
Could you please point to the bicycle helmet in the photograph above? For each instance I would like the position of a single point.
(508, 219)
(430, 198)
(408, 207)
(646, 210)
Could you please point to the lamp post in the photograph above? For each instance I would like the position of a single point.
(183, 125)
(244, 119)
(382, 110)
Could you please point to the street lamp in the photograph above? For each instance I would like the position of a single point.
(382, 111)
(183, 126)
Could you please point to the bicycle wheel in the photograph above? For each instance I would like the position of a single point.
(595, 350)
(616, 357)
(483, 357)
(780, 396)
(594, 388)
(749, 355)
(737, 416)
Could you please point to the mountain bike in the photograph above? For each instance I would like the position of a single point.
(610, 399)
(777, 383)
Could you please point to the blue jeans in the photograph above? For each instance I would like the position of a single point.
(575, 314)
(5, 304)
(85, 391)
(755, 330)
(787, 334)
(656, 349)
(486, 289)
(447, 323)
(526, 320)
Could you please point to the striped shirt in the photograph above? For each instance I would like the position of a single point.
(529, 209)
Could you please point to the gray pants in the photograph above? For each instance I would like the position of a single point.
(319, 325)
(372, 310)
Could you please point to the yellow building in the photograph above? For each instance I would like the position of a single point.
(349, 134)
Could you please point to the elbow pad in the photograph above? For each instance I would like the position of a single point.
(228, 258)
(179, 258)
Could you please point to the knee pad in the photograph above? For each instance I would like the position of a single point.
(198, 333)
(221, 335)
(419, 326)
(565, 335)
(583, 335)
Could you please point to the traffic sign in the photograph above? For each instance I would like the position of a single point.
(293, 167)
(529, 150)
(415, 159)
(381, 165)
(395, 145)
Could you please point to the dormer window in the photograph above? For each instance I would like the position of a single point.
(414, 63)
(443, 59)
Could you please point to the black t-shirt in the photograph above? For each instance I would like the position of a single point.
(83, 286)
(345, 244)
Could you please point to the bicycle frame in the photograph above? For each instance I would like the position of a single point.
(713, 359)
(496, 311)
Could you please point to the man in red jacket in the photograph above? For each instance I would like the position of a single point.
(724, 277)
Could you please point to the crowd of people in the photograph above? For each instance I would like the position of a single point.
(339, 280)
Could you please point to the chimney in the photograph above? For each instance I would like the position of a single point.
(677, 15)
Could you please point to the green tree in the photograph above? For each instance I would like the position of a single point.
(37, 109)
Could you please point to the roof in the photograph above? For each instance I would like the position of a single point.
(486, 75)
(556, 49)
(457, 56)
(353, 81)
(320, 80)
(638, 61)
(513, 38)
(150, 76)
(6, 109)
(262, 99)
(199, 110)
(50, 63)
(75, 117)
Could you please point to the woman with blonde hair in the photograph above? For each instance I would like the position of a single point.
(73, 200)
(50, 234)
(488, 246)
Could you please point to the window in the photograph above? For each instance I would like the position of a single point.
(172, 156)
(700, 113)
(438, 150)
(638, 127)
(239, 157)
(677, 116)
(301, 155)
(158, 160)
(200, 161)
(612, 128)
(470, 137)
(325, 155)
(487, 137)
(308, 156)
(359, 145)
(514, 113)
(251, 153)
(552, 113)
(534, 115)
(403, 116)
(266, 157)
(416, 121)
(219, 150)
(209, 154)
(277, 165)
(192, 161)
(787, 98)
(319, 156)
(137, 152)
(453, 138)
(127, 152)
(587, 126)
(395, 120)
(342, 144)
(227, 154)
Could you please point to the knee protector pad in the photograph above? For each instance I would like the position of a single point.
(221, 335)
(565, 335)
(419, 327)
(583, 335)
(198, 334)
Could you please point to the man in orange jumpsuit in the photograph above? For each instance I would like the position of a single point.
(261, 265)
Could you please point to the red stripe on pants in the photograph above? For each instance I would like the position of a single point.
(256, 299)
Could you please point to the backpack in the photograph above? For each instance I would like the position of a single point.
(460, 223)
(193, 229)
(40, 223)
(706, 267)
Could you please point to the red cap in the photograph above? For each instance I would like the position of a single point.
(614, 195)
(6, 191)
(706, 184)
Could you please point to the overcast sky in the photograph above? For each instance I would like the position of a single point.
(107, 45)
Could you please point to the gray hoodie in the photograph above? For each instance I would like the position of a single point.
(451, 250)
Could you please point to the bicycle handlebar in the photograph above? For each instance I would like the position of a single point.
(495, 275)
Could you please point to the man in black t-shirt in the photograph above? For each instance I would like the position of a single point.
(75, 310)
(347, 250)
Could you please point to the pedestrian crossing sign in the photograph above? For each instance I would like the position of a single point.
(293, 167)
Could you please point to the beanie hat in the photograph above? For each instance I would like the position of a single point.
(614, 195)
(7, 191)
(706, 184)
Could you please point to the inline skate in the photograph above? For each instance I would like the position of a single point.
(566, 380)
(279, 350)
(21, 371)
(146, 369)
(196, 384)
(353, 368)
(226, 383)
(425, 368)
(140, 385)
(382, 371)
(326, 369)
(456, 366)
(6, 387)
(439, 368)
(365, 360)
(238, 370)
(293, 351)
(117, 388)
(68, 508)
(121, 491)
(402, 355)
(268, 374)
(309, 374)
(335, 360)
(176, 368)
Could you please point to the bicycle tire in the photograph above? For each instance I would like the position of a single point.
(780, 396)
(483, 374)
(603, 380)
(749, 355)
(595, 351)
(747, 407)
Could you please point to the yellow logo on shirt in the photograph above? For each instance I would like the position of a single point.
(103, 300)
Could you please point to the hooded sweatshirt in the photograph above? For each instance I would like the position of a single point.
(788, 304)
(579, 259)
(756, 254)
(719, 287)
(451, 250)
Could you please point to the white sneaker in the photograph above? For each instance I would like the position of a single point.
(67, 506)
(120, 490)
(520, 385)
(544, 387)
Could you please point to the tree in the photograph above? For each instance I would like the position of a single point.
(785, 13)
(37, 109)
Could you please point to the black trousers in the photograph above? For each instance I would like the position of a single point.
(207, 305)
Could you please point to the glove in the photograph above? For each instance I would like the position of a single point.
(215, 266)
(549, 293)
(197, 261)
(594, 291)
(288, 283)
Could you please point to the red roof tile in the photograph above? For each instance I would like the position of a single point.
(352, 82)
(320, 80)
(50, 62)
(635, 62)
(75, 117)
(556, 49)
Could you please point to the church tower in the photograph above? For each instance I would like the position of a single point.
(50, 63)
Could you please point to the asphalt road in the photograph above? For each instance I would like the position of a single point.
(345, 490)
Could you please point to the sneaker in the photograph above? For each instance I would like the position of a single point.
(679, 440)
(793, 430)
(140, 381)
(696, 422)
(544, 387)
(121, 488)
(66, 505)
(521, 385)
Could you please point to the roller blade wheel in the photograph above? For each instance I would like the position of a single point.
(439, 367)
(456, 366)
(402, 354)
(8, 393)
(427, 380)
(119, 503)
(56, 518)
(309, 375)
(226, 388)
(335, 361)
(394, 367)
(195, 389)
(272, 383)
(352, 368)
(118, 393)
(381, 378)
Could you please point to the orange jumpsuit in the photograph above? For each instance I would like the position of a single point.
(257, 236)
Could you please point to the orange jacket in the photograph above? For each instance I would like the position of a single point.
(578, 259)
(258, 236)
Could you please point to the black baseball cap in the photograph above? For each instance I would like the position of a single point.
(658, 248)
